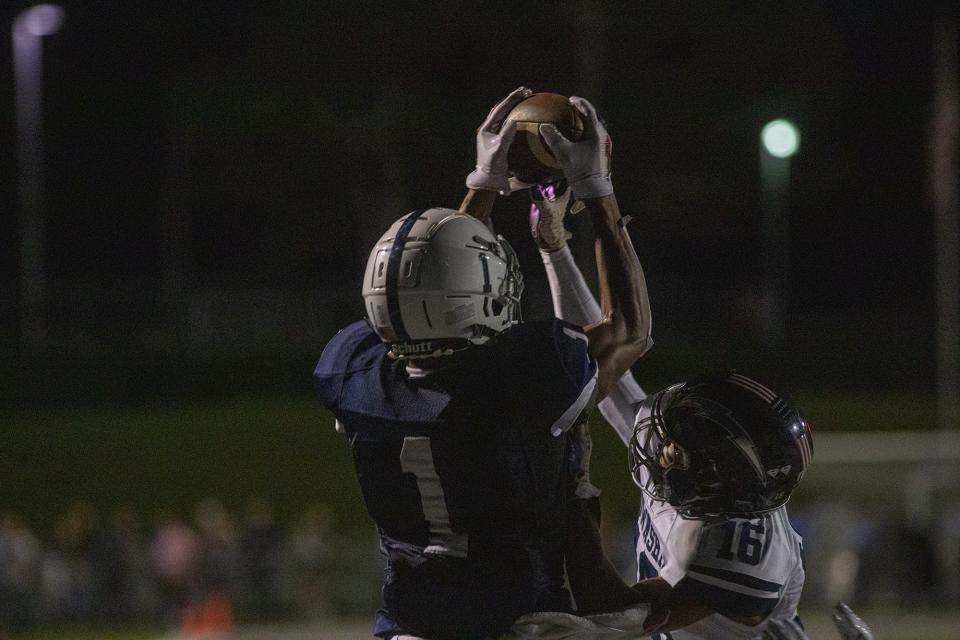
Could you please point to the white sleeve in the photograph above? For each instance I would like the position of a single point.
(573, 302)
(620, 406)
(572, 299)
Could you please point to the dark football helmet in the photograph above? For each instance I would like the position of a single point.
(720, 445)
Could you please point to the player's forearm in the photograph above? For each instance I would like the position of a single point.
(623, 335)
(595, 583)
(623, 289)
(479, 204)
(668, 609)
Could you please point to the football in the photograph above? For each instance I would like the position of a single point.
(529, 158)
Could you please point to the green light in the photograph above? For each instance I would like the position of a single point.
(780, 138)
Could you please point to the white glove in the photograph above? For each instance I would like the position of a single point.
(493, 142)
(849, 624)
(551, 204)
(586, 163)
(783, 629)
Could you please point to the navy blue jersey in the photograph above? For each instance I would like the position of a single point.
(466, 471)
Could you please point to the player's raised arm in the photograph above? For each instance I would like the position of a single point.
(572, 299)
(623, 333)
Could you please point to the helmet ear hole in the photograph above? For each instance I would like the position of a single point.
(497, 307)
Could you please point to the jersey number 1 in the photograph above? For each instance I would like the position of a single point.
(416, 457)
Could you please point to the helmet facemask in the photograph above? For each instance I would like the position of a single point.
(511, 287)
(651, 449)
(698, 482)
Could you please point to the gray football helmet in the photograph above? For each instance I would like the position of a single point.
(439, 281)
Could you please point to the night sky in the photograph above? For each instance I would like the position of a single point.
(241, 146)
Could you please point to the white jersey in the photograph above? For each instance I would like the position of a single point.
(738, 567)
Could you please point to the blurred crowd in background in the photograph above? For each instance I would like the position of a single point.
(200, 573)
(207, 572)
(859, 552)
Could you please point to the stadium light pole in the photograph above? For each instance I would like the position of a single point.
(779, 141)
(944, 163)
(27, 32)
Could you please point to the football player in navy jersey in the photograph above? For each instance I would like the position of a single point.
(463, 420)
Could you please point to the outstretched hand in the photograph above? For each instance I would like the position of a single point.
(493, 142)
(586, 162)
(849, 624)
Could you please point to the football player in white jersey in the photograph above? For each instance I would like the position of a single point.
(717, 459)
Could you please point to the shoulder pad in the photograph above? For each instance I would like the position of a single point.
(354, 376)
(565, 345)
(355, 348)
(548, 364)
(573, 347)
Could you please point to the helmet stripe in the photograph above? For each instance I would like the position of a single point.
(805, 451)
(754, 386)
(487, 288)
(393, 274)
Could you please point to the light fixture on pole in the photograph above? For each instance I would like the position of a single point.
(779, 140)
(27, 33)
(944, 164)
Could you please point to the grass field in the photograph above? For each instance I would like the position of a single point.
(96, 633)
(167, 454)
(887, 625)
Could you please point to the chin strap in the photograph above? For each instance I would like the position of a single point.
(427, 348)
